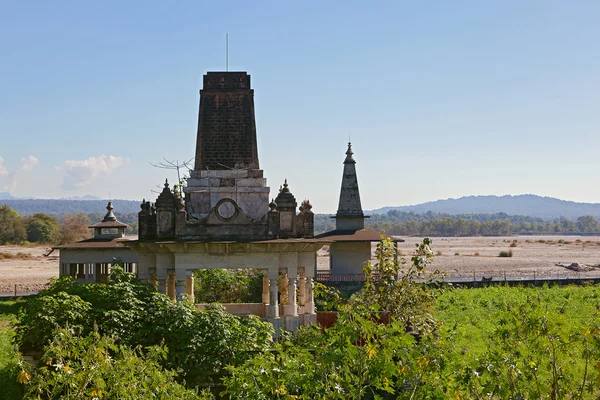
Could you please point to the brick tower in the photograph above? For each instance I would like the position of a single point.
(226, 125)
(227, 164)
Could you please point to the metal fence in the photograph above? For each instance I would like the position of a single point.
(19, 290)
(515, 277)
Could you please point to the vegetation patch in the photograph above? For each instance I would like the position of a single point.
(5, 255)
(508, 253)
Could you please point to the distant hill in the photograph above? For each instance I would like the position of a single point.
(526, 204)
(63, 206)
(85, 197)
(6, 196)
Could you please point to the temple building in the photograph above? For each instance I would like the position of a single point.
(223, 217)
(350, 242)
(90, 260)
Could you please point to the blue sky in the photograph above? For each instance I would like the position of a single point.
(441, 99)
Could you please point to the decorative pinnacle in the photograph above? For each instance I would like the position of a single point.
(272, 205)
(109, 215)
(349, 154)
(166, 183)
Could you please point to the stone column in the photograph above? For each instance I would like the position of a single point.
(301, 291)
(291, 308)
(309, 304)
(189, 285)
(283, 289)
(273, 308)
(165, 263)
(265, 292)
(88, 273)
(152, 277)
(171, 284)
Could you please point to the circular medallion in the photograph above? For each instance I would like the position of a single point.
(226, 209)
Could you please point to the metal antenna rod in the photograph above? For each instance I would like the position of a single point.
(227, 52)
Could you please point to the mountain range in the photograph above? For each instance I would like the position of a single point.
(525, 204)
(531, 205)
(8, 196)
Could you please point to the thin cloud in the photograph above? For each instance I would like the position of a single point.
(8, 177)
(3, 169)
(81, 172)
(28, 163)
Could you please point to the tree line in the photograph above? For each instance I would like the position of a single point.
(441, 224)
(49, 229)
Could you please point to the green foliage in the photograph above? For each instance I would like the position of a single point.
(228, 286)
(73, 227)
(401, 289)
(41, 228)
(397, 222)
(367, 353)
(201, 344)
(523, 342)
(587, 223)
(10, 389)
(12, 228)
(96, 366)
(508, 253)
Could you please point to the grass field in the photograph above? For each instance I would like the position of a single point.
(542, 335)
(539, 342)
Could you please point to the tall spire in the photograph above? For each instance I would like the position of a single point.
(350, 214)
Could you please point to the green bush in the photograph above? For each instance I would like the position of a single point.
(95, 366)
(201, 343)
(508, 253)
(228, 286)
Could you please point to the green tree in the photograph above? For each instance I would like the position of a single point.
(587, 223)
(12, 228)
(42, 228)
(73, 227)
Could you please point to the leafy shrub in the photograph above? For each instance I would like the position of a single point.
(201, 343)
(228, 286)
(96, 366)
(513, 244)
(508, 253)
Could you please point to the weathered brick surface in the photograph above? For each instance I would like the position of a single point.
(226, 125)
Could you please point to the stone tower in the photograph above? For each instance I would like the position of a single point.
(349, 215)
(226, 126)
(226, 165)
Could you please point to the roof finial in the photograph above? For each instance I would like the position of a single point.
(349, 153)
(109, 215)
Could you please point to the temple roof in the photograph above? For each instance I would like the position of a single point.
(109, 220)
(358, 235)
(93, 243)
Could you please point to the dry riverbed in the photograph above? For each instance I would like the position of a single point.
(30, 270)
(539, 255)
